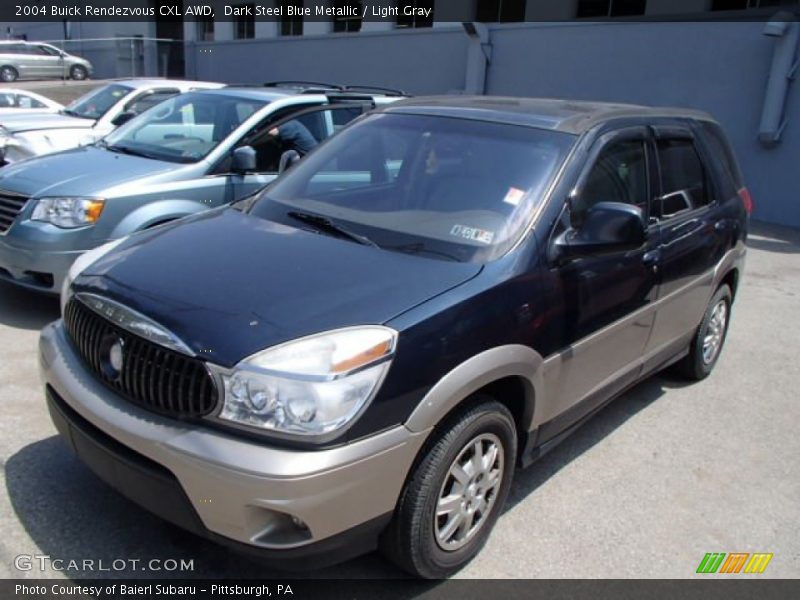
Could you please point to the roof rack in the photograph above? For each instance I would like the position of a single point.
(313, 87)
(374, 88)
(306, 86)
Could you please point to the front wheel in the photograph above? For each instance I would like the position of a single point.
(453, 497)
(8, 74)
(78, 73)
(707, 343)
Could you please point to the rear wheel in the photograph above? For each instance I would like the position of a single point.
(710, 337)
(78, 73)
(8, 74)
(454, 496)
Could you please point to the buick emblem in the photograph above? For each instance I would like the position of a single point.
(115, 356)
(112, 352)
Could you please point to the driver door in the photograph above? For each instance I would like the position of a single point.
(320, 122)
(604, 298)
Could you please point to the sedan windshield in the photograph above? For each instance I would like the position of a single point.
(97, 102)
(183, 128)
(447, 188)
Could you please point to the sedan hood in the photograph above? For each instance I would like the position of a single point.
(231, 284)
(66, 173)
(43, 120)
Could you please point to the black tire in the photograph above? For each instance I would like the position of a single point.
(78, 73)
(8, 74)
(410, 541)
(695, 366)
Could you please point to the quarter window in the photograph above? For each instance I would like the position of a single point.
(683, 178)
(618, 175)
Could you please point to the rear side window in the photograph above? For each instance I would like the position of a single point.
(683, 177)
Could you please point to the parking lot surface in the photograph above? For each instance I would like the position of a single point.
(663, 475)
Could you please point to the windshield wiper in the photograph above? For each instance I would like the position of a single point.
(328, 226)
(125, 150)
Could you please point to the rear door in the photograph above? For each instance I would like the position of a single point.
(692, 238)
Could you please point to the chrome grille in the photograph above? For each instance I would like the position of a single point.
(154, 377)
(10, 207)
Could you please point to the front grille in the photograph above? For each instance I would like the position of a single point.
(151, 376)
(10, 206)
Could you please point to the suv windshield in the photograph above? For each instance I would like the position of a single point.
(183, 128)
(443, 187)
(97, 102)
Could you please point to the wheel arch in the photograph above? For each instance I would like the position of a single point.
(509, 374)
(156, 213)
(731, 278)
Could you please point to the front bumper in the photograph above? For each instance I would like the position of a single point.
(41, 270)
(230, 489)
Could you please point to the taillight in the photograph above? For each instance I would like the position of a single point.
(747, 200)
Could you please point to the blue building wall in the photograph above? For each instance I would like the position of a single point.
(721, 67)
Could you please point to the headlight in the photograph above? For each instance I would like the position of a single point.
(68, 212)
(311, 386)
(83, 262)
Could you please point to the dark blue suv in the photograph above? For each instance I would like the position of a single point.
(361, 353)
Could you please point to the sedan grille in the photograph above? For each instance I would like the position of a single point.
(147, 374)
(10, 206)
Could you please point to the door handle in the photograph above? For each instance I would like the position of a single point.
(651, 259)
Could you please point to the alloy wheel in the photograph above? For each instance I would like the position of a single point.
(469, 490)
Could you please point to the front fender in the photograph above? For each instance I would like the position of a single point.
(513, 360)
(156, 212)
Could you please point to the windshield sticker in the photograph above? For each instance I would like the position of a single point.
(472, 233)
(514, 196)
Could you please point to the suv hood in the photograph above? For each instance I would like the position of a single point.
(43, 120)
(66, 173)
(231, 284)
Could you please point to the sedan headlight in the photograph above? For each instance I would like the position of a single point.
(311, 386)
(68, 212)
(83, 262)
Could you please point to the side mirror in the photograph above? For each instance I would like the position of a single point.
(243, 160)
(288, 158)
(608, 227)
(123, 118)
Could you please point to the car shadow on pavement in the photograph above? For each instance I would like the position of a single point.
(26, 309)
(599, 426)
(70, 514)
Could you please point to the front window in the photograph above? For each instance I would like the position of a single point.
(97, 102)
(447, 188)
(184, 128)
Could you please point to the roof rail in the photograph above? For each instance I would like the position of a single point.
(374, 88)
(304, 85)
